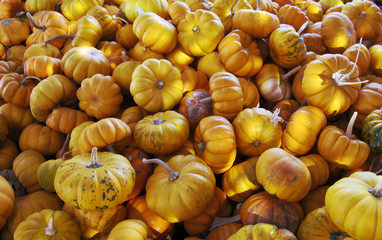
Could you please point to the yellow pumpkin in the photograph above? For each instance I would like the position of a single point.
(107, 180)
(75, 9)
(132, 8)
(108, 24)
(130, 229)
(263, 231)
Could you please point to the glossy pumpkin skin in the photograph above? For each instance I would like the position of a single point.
(283, 174)
(49, 92)
(337, 32)
(87, 33)
(256, 132)
(123, 73)
(194, 175)
(192, 79)
(375, 59)
(322, 80)
(287, 48)
(106, 186)
(264, 231)
(18, 118)
(302, 130)
(74, 10)
(108, 24)
(36, 6)
(200, 32)
(34, 226)
(162, 132)
(363, 61)
(137, 209)
(7, 199)
(130, 229)
(156, 85)
(13, 31)
(42, 66)
(215, 142)
(15, 89)
(371, 131)
(251, 95)
(65, 119)
(155, 32)
(318, 168)
(358, 213)
(292, 15)
(226, 94)
(318, 225)
(84, 62)
(75, 138)
(99, 96)
(240, 54)
(133, 8)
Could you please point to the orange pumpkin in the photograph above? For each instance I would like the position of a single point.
(13, 32)
(292, 15)
(108, 24)
(318, 168)
(16, 89)
(65, 119)
(42, 66)
(7, 200)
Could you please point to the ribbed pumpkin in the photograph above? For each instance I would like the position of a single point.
(376, 59)
(64, 119)
(263, 231)
(283, 174)
(108, 23)
(8, 151)
(371, 130)
(188, 180)
(358, 193)
(42, 66)
(108, 180)
(7, 200)
(315, 199)
(74, 10)
(130, 229)
(133, 8)
(215, 143)
(363, 54)
(46, 173)
(162, 132)
(318, 168)
(13, 32)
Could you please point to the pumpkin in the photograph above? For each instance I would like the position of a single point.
(50, 92)
(137, 209)
(162, 132)
(200, 32)
(87, 32)
(342, 149)
(240, 181)
(16, 53)
(257, 23)
(292, 15)
(179, 56)
(240, 54)
(42, 49)
(155, 32)
(48, 224)
(123, 73)
(365, 16)
(75, 138)
(98, 92)
(186, 179)
(331, 83)
(251, 94)
(18, 118)
(371, 130)
(84, 62)
(46, 140)
(132, 115)
(8, 152)
(318, 225)
(125, 35)
(262, 231)
(42, 66)
(375, 59)
(108, 179)
(256, 131)
(284, 110)
(198, 4)
(25, 167)
(286, 46)
(130, 229)
(360, 192)
(9, 8)
(302, 130)
(337, 32)
(194, 108)
(140, 52)
(192, 79)
(283, 174)
(132, 8)
(314, 199)
(46, 173)
(65, 119)
(47, 24)
(74, 10)
(363, 54)
(312, 9)
(33, 6)
(9, 67)
(226, 95)
(318, 168)
(215, 142)
(7, 199)
(108, 24)
(224, 231)
(3, 129)
(313, 42)
(13, 32)
(211, 64)
(156, 85)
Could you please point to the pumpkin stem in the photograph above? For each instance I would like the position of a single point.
(30, 77)
(172, 175)
(50, 231)
(349, 129)
(303, 26)
(290, 73)
(377, 190)
(94, 160)
(337, 235)
(201, 145)
(68, 36)
(258, 5)
(196, 29)
(119, 18)
(64, 146)
(158, 121)
(110, 148)
(379, 172)
(58, 7)
(276, 118)
(218, 221)
(33, 22)
(207, 99)
(160, 84)
(124, 56)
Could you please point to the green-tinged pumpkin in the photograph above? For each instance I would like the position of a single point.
(262, 231)
(372, 131)
(46, 173)
(103, 183)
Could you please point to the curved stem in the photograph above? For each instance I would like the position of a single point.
(57, 37)
(377, 190)
(121, 19)
(64, 146)
(379, 172)
(276, 118)
(94, 160)
(172, 175)
(258, 5)
(349, 129)
(50, 231)
(124, 56)
(302, 27)
(29, 16)
(30, 77)
(218, 221)
(290, 73)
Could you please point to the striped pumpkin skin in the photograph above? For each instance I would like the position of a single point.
(372, 131)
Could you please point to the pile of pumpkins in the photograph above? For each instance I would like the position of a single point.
(190, 119)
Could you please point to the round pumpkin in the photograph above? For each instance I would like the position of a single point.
(371, 130)
(7, 200)
(132, 8)
(108, 180)
(264, 231)
(130, 229)
(13, 31)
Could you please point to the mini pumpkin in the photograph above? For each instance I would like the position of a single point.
(371, 130)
